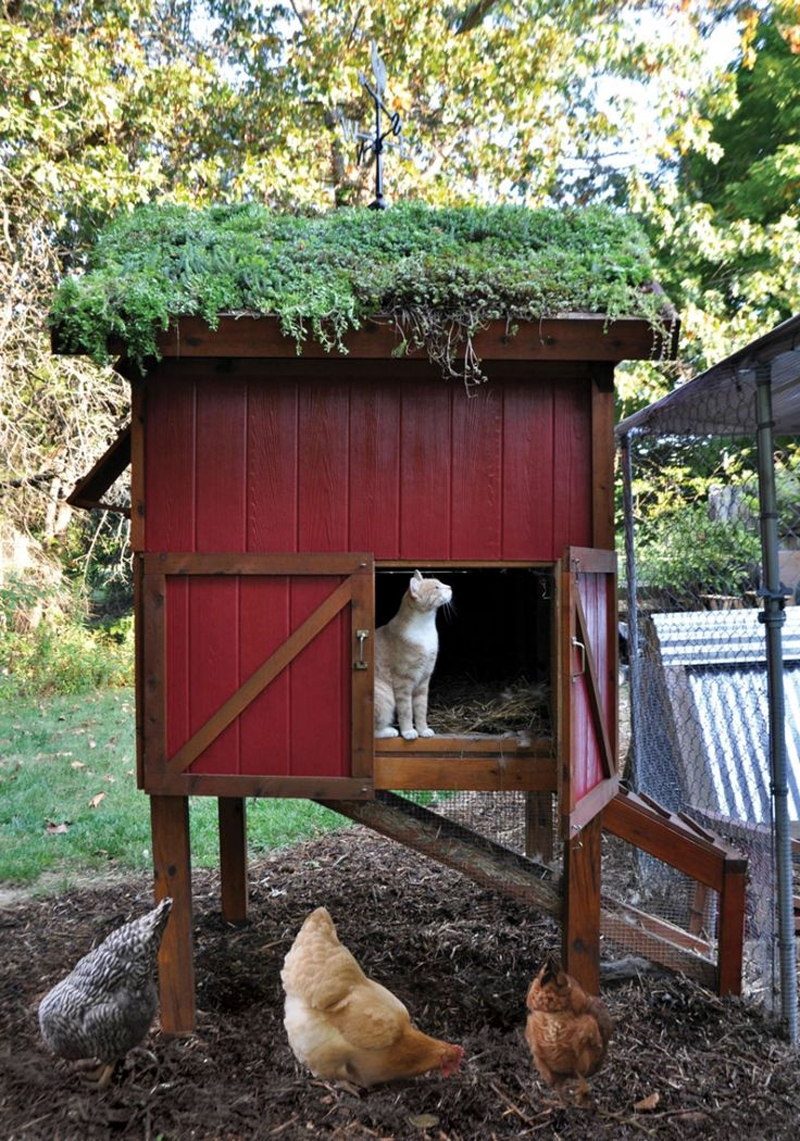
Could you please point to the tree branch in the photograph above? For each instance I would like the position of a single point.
(471, 17)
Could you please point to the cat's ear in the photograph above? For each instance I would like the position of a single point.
(413, 585)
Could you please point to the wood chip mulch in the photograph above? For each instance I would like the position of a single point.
(682, 1063)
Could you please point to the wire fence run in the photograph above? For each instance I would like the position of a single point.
(691, 595)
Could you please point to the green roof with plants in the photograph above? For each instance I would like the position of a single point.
(437, 274)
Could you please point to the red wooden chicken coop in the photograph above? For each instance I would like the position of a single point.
(279, 504)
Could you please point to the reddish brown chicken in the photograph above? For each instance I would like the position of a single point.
(567, 1029)
(346, 1027)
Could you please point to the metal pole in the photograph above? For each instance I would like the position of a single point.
(634, 674)
(378, 203)
(773, 617)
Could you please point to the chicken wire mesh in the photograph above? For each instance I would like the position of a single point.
(692, 620)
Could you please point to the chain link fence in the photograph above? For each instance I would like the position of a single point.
(697, 660)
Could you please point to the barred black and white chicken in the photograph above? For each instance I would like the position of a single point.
(105, 1006)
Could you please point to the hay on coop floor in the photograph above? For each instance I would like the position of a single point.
(461, 705)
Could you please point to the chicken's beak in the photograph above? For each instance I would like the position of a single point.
(551, 969)
(160, 916)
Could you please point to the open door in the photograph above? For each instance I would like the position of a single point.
(256, 674)
(588, 722)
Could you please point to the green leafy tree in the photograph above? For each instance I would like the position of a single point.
(104, 106)
(107, 105)
(724, 215)
(725, 211)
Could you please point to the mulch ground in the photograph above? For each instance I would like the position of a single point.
(460, 958)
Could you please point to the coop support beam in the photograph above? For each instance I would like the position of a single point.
(169, 820)
(539, 825)
(731, 933)
(232, 816)
(494, 867)
(580, 931)
(773, 617)
(456, 847)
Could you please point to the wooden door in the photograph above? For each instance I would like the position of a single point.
(588, 683)
(256, 674)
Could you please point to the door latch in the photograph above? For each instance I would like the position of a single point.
(580, 646)
(360, 663)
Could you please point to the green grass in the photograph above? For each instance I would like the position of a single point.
(59, 754)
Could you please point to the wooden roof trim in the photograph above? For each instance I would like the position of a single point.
(89, 491)
(571, 337)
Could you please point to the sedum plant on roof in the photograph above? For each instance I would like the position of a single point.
(438, 274)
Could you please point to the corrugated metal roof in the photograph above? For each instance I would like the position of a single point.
(714, 669)
(721, 400)
(734, 636)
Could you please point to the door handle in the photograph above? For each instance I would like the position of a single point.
(580, 646)
(360, 663)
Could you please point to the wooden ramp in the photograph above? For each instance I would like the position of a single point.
(641, 822)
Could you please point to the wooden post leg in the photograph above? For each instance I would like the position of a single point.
(581, 922)
(233, 857)
(730, 947)
(169, 822)
(699, 909)
(539, 826)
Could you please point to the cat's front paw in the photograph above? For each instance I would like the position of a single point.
(410, 734)
(389, 731)
(427, 733)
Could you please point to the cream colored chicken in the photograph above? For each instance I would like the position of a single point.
(343, 1025)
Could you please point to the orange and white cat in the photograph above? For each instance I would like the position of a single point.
(405, 654)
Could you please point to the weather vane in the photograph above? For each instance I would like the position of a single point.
(368, 142)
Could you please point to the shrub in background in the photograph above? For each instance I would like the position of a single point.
(47, 645)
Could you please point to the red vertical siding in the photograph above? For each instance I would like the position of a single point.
(425, 469)
(169, 484)
(320, 714)
(220, 488)
(170, 526)
(407, 468)
(270, 457)
(588, 772)
(584, 753)
(272, 450)
(178, 663)
(320, 720)
(476, 476)
(527, 511)
(323, 466)
(264, 725)
(572, 465)
(375, 465)
(271, 465)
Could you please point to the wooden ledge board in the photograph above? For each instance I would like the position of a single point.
(572, 337)
(473, 774)
(486, 744)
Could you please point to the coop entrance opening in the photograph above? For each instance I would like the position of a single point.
(493, 671)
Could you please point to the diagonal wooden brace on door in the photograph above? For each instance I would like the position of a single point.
(598, 716)
(258, 681)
